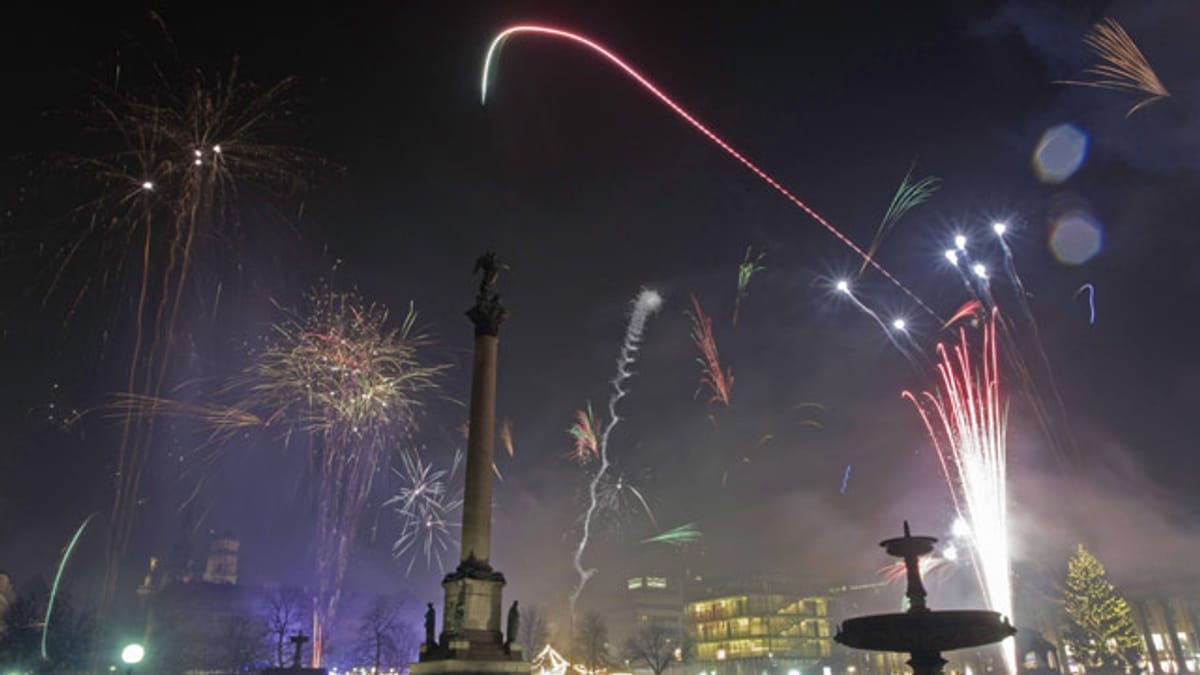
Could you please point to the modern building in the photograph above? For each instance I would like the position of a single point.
(1167, 614)
(758, 625)
(655, 601)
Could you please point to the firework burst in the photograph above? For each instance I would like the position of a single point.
(967, 419)
(1122, 65)
(426, 508)
(719, 382)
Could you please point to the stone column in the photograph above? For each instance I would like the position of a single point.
(487, 315)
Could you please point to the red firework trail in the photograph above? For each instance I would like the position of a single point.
(498, 41)
(718, 381)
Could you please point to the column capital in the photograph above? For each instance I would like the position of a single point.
(487, 314)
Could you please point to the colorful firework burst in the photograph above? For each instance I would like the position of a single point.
(341, 375)
(584, 431)
(1122, 65)
(426, 507)
(719, 382)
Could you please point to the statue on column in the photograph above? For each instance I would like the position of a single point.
(488, 313)
(430, 623)
(460, 609)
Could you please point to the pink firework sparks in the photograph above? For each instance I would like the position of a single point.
(649, 86)
(970, 309)
(719, 382)
(967, 419)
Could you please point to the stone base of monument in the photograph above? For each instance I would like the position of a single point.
(471, 642)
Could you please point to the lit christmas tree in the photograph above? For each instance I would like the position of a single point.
(1100, 632)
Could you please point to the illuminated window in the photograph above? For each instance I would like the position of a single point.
(1031, 661)
(1158, 640)
(656, 582)
(633, 583)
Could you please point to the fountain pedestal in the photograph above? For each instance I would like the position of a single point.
(921, 632)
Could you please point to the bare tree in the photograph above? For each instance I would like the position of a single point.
(383, 635)
(284, 611)
(591, 641)
(242, 636)
(534, 631)
(653, 645)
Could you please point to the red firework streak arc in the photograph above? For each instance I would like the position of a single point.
(498, 41)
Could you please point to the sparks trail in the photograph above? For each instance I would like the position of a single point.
(898, 327)
(499, 40)
(719, 382)
(62, 566)
(845, 479)
(679, 537)
(967, 419)
(1058, 432)
(746, 271)
(908, 196)
(645, 304)
(1122, 65)
(1091, 291)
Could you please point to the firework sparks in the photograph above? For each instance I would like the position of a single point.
(845, 479)
(342, 375)
(1122, 65)
(506, 436)
(681, 536)
(587, 446)
(62, 566)
(426, 509)
(746, 271)
(908, 196)
(967, 421)
(971, 309)
(718, 381)
(494, 49)
(647, 303)
(157, 206)
(1091, 291)
(619, 500)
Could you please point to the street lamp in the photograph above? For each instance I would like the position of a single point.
(132, 654)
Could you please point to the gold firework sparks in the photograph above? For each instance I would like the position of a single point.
(1122, 65)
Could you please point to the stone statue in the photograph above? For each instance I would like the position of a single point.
(491, 267)
(514, 623)
(430, 622)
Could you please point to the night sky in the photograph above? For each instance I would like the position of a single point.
(591, 189)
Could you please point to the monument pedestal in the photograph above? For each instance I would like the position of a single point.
(471, 642)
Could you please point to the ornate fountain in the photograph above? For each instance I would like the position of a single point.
(921, 632)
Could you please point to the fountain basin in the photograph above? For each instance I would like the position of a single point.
(924, 632)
